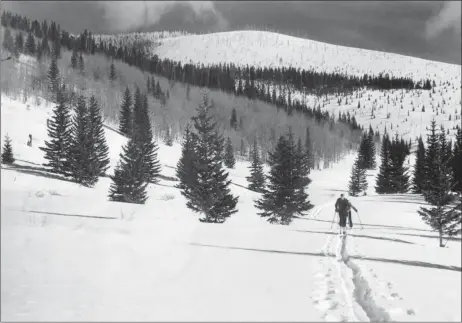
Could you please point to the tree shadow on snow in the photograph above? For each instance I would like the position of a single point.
(318, 254)
(359, 236)
(371, 225)
(74, 215)
(37, 171)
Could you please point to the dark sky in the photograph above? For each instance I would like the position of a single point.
(427, 29)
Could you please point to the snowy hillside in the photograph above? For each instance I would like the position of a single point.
(396, 111)
(68, 254)
(262, 48)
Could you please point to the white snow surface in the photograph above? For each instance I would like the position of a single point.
(270, 49)
(69, 254)
(410, 111)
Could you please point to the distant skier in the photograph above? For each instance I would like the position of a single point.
(29, 142)
(343, 207)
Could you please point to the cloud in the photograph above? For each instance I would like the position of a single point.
(129, 15)
(447, 18)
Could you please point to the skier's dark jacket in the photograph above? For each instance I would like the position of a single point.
(342, 206)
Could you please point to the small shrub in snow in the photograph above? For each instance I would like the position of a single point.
(7, 154)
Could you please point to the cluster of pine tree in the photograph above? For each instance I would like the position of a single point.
(77, 146)
(393, 175)
(203, 179)
(138, 164)
(285, 195)
(437, 174)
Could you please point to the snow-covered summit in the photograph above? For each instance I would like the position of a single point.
(270, 49)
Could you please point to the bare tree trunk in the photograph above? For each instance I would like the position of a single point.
(441, 237)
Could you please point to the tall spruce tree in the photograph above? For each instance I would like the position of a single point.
(142, 132)
(257, 177)
(128, 182)
(419, 167)
(125, 116)
(82, 156)
(210, 195)
(112, 72)
(457, 162)
(59, 133)
(30, 44)
(383, 181)
(309, 149)
(432, 150)
(74, 58)
(358, 179)
(301, 171)
(399, 176)
(441, 215)
(233, 119)
(98, 137)
(229, 160)
(53, 78)
(7, 153)
(168, 139)
(281, 200)
(186, 168)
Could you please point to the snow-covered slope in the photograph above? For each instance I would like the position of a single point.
(69, 254)
(262, 48)
(269, 49)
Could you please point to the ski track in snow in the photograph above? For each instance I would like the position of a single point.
(345, 292)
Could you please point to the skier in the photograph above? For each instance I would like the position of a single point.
(29, 142)
(343, 207)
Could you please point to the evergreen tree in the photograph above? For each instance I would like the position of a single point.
(432, 150)
(125, 117)
(128, 182)
(186, 170)
(19, 42)
(309, 149)
(112, 72)
(210, 195)
(57, 148)
(358, 180)
(301, 171)
(257, 177)
(443, 215)
(383, 181)
(81, 64)
(142, 132)
(281, 200)
(82, 156)
(74, 58)
(8, 41)
(419, 167)
(371, 164)
(229, 161)
(168, 140)
(53, 79)
(45, 46)
(98, 137)
(399, 175)
(457, 162)
(7, 154)
(30, 44)
(233, 120)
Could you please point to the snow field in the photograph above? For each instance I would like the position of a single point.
(69, 254)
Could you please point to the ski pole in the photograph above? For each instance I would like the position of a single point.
(362, 227)
(332, 223)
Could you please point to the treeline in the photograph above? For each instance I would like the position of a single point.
(437, 175)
